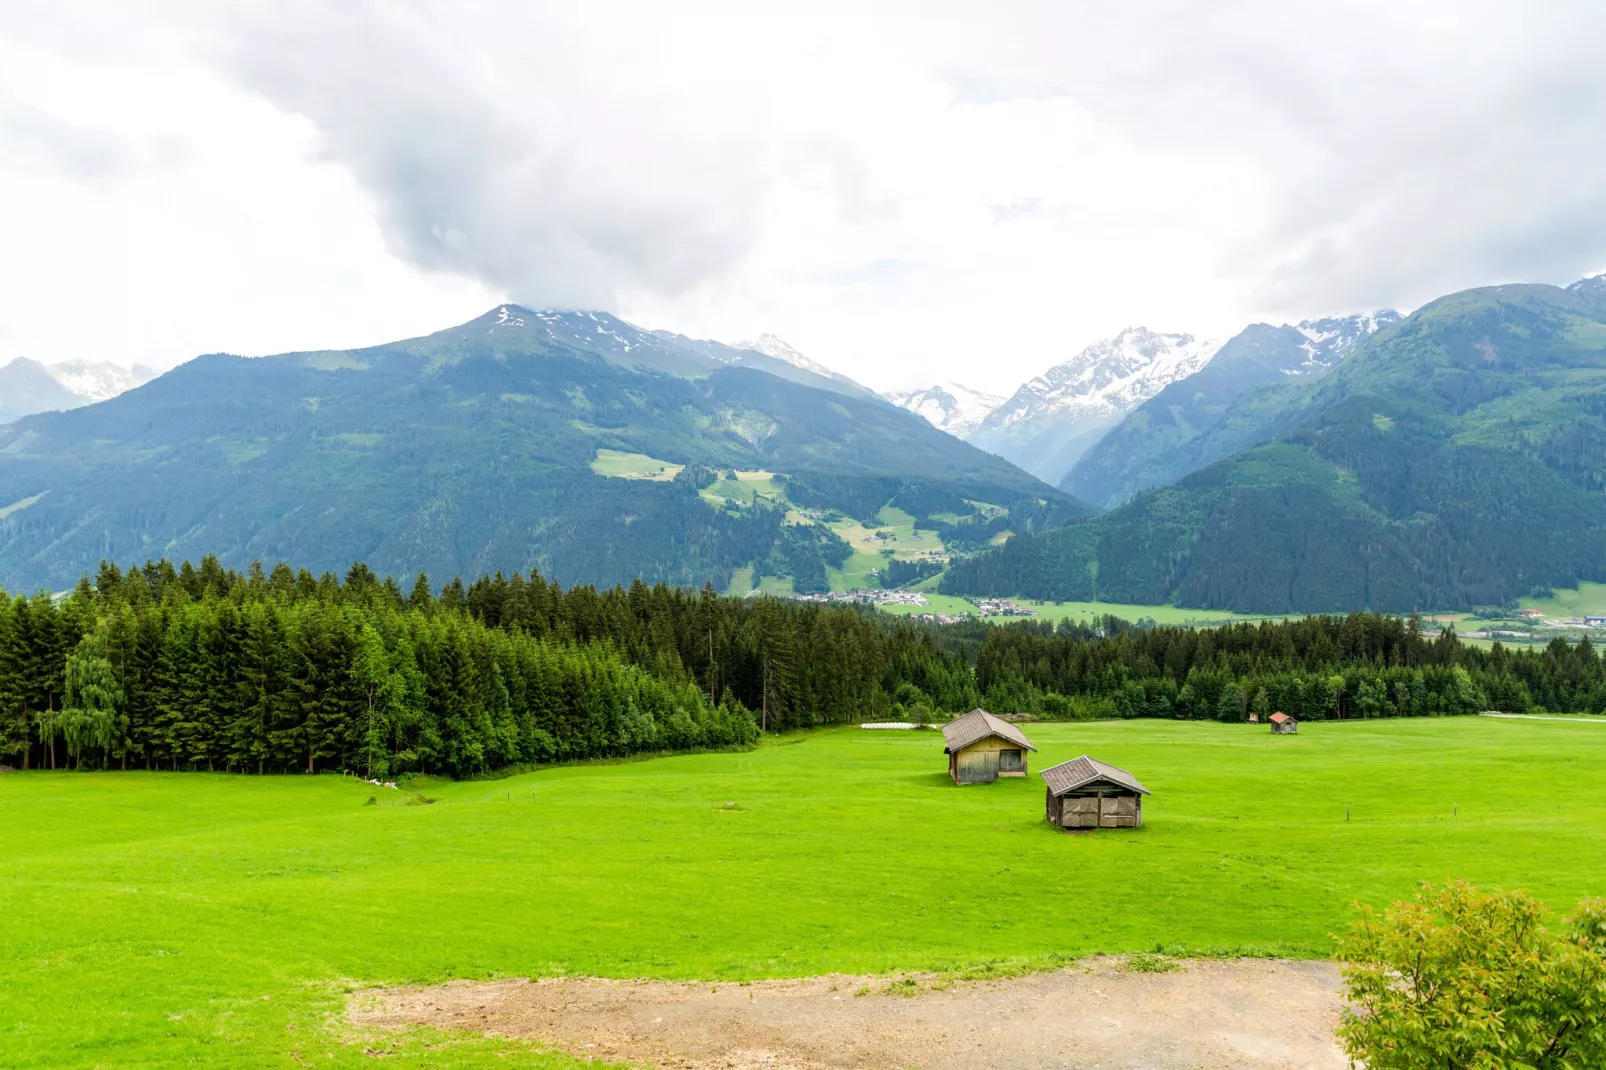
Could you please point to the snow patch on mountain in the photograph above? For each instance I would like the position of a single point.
(771, 346)
(1331, 339)
(1107, 379)
(98, 380)
(953, 407)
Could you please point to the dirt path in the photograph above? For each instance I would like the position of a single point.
(1097, 1015)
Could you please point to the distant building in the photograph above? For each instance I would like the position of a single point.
(1595, 622)
(1531, 613)
(981, 748)
(1085, 793)
(1283, 725)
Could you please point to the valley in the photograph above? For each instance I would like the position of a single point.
(868, 537)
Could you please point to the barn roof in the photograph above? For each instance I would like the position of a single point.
(1279, 718)
(976, 726)
(1080, 772)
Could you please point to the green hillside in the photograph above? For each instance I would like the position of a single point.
(1458, 459)
(505, 443)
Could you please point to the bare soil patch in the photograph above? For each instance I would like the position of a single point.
(1097, 1015)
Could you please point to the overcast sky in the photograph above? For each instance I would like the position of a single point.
(969, 191)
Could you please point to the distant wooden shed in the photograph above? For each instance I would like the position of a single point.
(1283, 725)
(1085, 793)
(981, 748)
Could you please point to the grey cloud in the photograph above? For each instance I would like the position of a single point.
(1408, 150)
(492, 157)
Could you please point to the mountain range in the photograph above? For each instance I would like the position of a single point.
(1047, 424)
(954, 407)
(28, 386)
(1187, 424)
(570, 441)
(1456, 458)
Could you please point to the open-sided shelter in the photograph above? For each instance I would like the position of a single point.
(981, 748)
(1085, 793)
(1283, 725)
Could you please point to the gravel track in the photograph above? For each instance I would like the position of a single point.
(1096, 1015)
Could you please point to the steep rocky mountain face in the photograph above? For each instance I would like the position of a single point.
(1186, 426)
(953, 407)
(1048, 423)
(28, 386)
(474, 449)
(1458, 458)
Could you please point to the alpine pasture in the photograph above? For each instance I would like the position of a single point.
(190, 918)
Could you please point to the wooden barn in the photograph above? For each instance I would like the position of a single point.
(981, 748)
(1283, 725)
(1085, 793)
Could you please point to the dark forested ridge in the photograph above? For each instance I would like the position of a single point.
(206, 668)
(464, 452)
(1459, 458)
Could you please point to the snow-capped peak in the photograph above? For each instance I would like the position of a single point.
(508, 317)
(1109, 378)
(1593, 286)
(98, 380)
(953, 407)
(771, 346)
(1332, 338)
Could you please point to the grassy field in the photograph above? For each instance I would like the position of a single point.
(1083, 611)
(1087, 611)
(157, 919)
(618, 465)
(894, 531)
(1589, 599)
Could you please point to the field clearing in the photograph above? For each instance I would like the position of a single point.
(152, 918)
(1588, 599)
(1080, 611)
(894, 531)
(616, 464)
(1089, 611)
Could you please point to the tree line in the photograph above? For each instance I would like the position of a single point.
(1319, 668)
(208, 668)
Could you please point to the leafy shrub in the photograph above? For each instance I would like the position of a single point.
(1457, 978)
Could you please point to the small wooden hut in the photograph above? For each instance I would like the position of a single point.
(1085, 793)
(1283, 725)
(981, 748)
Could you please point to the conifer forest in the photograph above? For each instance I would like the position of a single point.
(186, 668)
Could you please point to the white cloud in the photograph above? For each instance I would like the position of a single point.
(905, 193)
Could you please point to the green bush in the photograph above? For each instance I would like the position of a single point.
(1464, 980)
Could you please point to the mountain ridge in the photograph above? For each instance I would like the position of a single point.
(951, 406)
(1458, 458)
(28, 386)
(1050, 420)
(465, 451)
(1171, 434)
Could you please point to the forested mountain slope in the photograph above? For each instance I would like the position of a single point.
(465, 451)
(1458, 459)
(1207, 416)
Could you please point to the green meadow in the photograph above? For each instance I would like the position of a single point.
(166, 919)
(1086, 612)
